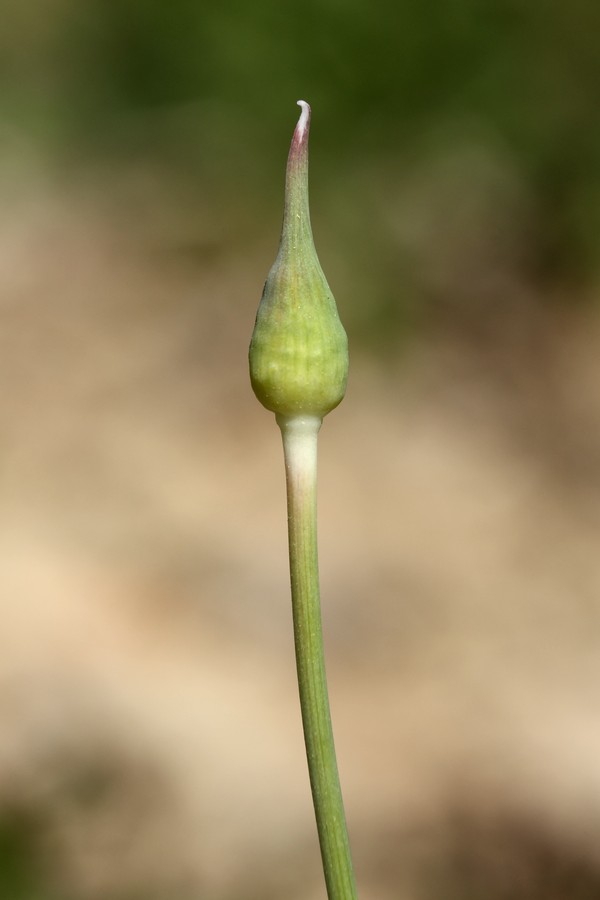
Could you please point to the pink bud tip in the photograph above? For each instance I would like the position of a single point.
(304, 119)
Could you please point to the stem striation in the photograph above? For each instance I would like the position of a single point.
(300, 451)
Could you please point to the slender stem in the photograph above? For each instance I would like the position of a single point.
(300, 450)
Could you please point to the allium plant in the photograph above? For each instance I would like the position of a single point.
(298, 370)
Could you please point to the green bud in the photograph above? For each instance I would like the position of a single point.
(299, 349)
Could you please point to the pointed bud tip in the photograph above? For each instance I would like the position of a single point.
(304, 120)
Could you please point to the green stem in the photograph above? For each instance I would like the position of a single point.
(300, 450)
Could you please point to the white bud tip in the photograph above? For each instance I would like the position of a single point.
(304, 117)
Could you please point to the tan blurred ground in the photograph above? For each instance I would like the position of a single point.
(149, 720)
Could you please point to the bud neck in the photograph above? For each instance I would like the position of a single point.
(296, 232)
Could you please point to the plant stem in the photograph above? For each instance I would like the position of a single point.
(300, 451)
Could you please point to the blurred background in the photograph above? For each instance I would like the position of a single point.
(150, 741)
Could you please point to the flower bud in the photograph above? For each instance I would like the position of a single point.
(299, 349)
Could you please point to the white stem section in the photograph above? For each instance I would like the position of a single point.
(300, 446)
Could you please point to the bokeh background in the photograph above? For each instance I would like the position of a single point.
(150, 742)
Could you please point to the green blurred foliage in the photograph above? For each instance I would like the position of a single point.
(532, 69)
(20, 870)
(207, 89)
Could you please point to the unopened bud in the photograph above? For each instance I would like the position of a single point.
(299, 349)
